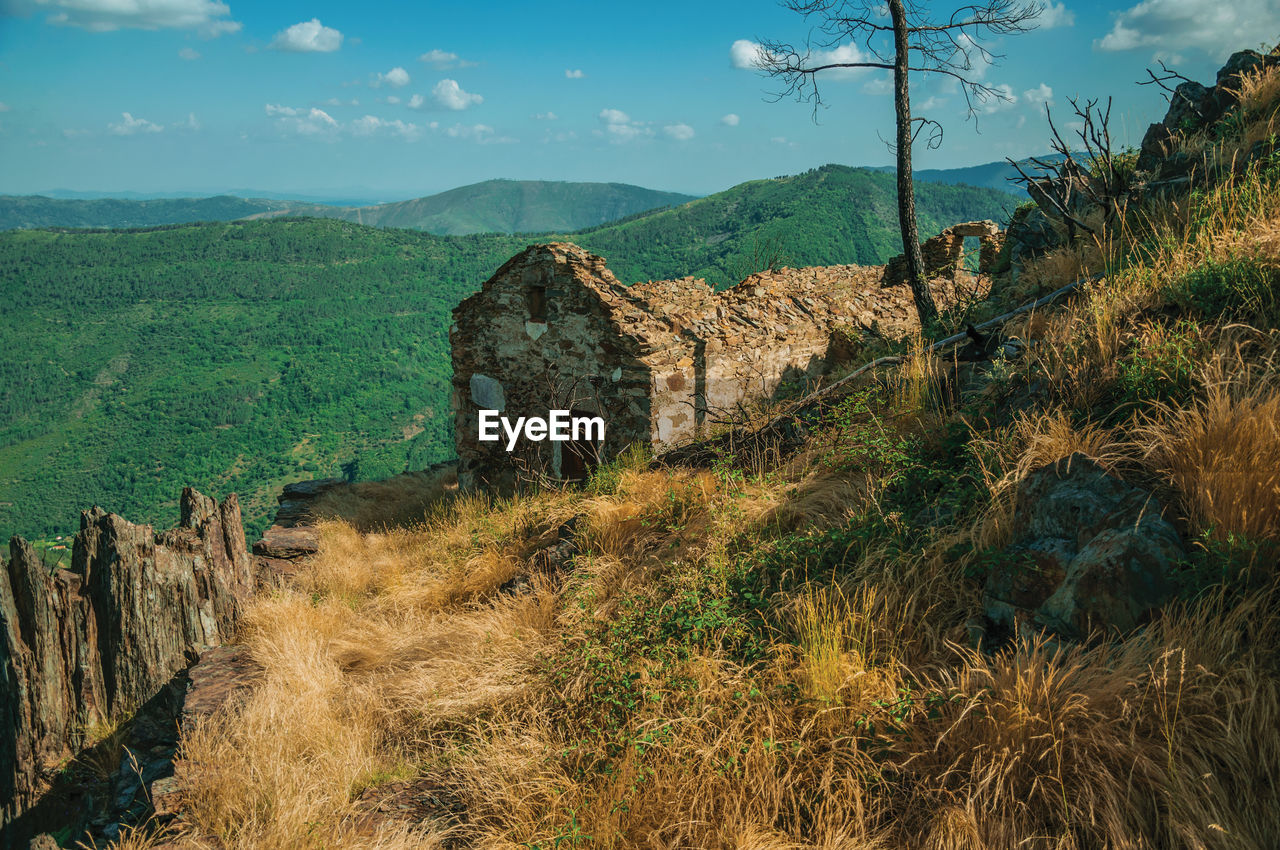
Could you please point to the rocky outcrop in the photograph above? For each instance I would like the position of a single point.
(1090, 553)
(99, 640)
(1194, 107)
(292, 535)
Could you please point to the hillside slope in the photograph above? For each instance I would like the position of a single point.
(832, 214)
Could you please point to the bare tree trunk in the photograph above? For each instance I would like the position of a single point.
(906, 189)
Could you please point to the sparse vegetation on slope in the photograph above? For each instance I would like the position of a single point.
(777, 652)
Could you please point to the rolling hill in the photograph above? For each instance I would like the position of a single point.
(236, 356)
(494, 206)
(504, 206)
(30, 211)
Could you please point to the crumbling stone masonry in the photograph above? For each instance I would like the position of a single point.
(660, 361)
(943, 255)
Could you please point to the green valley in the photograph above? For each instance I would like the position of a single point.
(236, 356)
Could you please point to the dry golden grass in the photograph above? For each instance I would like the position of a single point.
(1221, 453)
(401, 500)
(864, 721)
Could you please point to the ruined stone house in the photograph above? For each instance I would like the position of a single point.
(660, 362)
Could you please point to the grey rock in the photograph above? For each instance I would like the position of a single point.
(1090, 553)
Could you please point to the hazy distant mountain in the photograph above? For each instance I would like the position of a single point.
(494, 206)
(504, 206)
(28, 211)
(990, 175)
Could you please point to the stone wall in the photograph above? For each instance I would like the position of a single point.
(541, 335)
(661, 361)
(943, 255)
(96, 641)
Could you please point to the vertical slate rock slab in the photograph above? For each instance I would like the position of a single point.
(101, 639)
(49, 670)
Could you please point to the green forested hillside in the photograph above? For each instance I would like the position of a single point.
(507, 206)
(226, 356)
(237, 356)
(833, 214)
(39, 211)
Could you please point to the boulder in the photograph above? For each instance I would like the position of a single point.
(1089, 553)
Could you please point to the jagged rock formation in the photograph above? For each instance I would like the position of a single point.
(1194, 107)
(1074, 194)
(1089, 552)
(97, 641)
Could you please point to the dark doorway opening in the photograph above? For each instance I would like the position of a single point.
(579, 457)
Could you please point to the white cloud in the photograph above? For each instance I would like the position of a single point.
(1165, 26)
(845, 53)
(307, 122)
(746, 54)
(4, 107)
(442, 60)
(189, 54)
(1040, 94)
(333, 101)
(574, 74)
(993, 103)
(749, 56)
(481, 134)
(209, 17)
(469, 131)
(545, 116)
(371, 124)
(308, 37)
(730, 120)
(679, 132)
(416, 102)
(619, 127)
(190, 124)
(396, 78)
(1055, 15)
(131, 126)
(392, 99)
(450, 95)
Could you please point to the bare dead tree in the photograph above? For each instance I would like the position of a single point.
(905, 37)
(1071, 188)
(1163, 80)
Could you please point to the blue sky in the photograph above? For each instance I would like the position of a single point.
(390, 101)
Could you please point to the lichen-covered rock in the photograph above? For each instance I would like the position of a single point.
(1090, 553)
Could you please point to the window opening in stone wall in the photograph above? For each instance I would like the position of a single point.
(536, 298)
(972, 251)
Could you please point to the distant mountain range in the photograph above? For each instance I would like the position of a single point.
(502, 206)
(494, 206)
(990, 175)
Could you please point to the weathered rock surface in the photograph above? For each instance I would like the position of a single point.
(101, 639)
(1089, 552)
(221, 674)
(292, 535)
